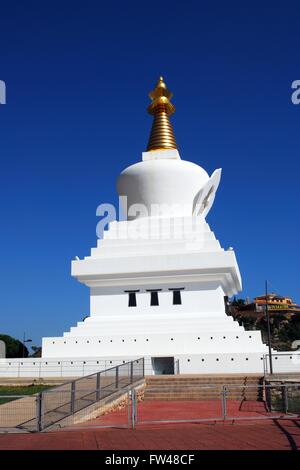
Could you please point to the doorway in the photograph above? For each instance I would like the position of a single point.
(163, 365)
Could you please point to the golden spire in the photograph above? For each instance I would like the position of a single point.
(162, 136)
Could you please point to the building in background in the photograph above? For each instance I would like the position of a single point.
(277, 304)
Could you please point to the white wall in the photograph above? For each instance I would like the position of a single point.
(204, 300)
(214, 363)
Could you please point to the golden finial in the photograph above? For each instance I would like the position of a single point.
(162, 136)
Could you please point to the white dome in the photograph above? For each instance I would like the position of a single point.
(167, 183)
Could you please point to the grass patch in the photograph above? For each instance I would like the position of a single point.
(19, 390)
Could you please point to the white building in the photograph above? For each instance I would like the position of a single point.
(158, 280)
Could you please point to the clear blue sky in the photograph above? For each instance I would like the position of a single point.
(77, 76)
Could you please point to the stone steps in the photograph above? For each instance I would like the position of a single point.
(199, 387)
(161, 383)
(198, 395)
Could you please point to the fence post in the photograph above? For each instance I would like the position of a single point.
(133, 408)
(98, 387)
(131, 372)
(117, 376)
(143, 367)
(39, 412)
(223, 402)
(128, 408)
(264, 365)
(268, 396)
(285, 399)
(73, 394)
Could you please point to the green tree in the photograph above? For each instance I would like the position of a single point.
(14, 347)
(37, 351)
(237, 302)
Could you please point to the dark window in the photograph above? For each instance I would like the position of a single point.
(176, 297)
(132, 299)
(154, 298)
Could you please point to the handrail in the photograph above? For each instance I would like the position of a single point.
(95, 373)
(73, 402)
(276, 355)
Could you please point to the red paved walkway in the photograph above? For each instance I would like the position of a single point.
(184, 410)
(253, 434)
(282, 434)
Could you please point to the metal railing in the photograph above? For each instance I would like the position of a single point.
(37, 412)
(59, 402)
(44, 368)
(289, 362)
(194, 403)
(222, 403)
(16, 410)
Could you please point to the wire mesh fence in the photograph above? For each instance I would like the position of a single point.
(123, 401)
(62, 401)
(51, 368)
(185, 404)
(220, 403)
(287, 363)
(39, 411)
(16, 411)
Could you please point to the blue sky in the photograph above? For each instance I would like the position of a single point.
(77, 77)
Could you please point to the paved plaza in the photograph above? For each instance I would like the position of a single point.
(267, 435)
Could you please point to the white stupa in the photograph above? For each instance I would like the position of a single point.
(158, 280)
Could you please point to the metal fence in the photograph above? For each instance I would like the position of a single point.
(222, 403)
(38, 412)
(42, 368)
(287, 363)
(16, 410)
(122, 401)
